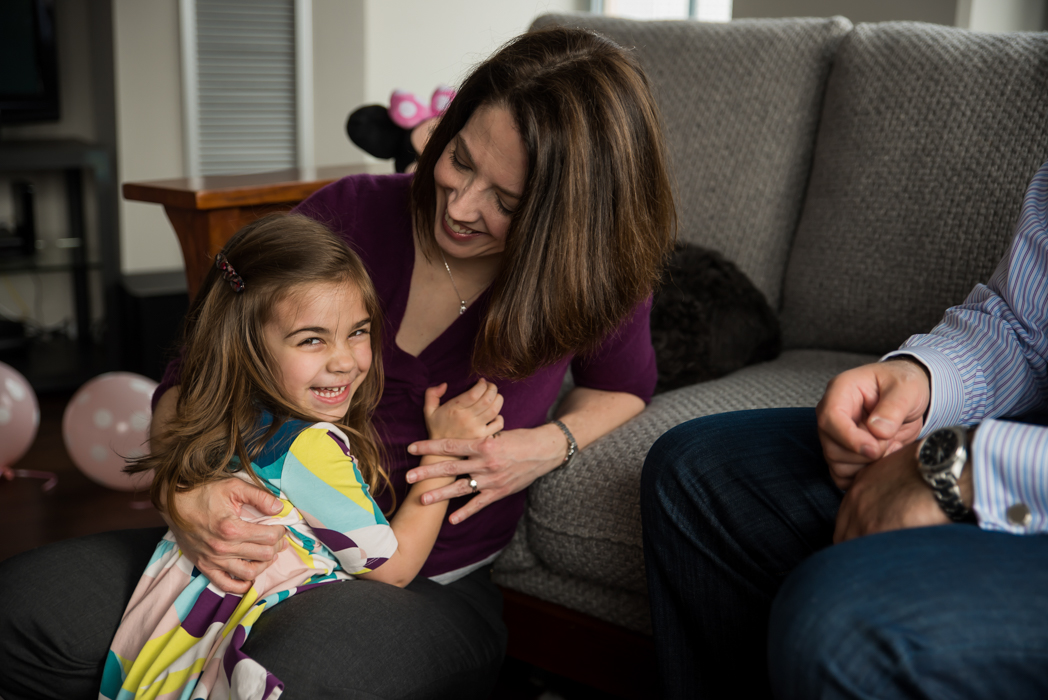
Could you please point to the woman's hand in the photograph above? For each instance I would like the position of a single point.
(230, 551)
(508, 462)
(502, 465)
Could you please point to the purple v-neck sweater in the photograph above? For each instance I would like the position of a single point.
(372, 214)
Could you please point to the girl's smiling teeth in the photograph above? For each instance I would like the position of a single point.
(334, 392)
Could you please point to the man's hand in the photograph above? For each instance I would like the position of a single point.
(889, 494)
(869, 412)
(230, 551)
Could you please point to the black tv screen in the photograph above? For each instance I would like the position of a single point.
(28, 62)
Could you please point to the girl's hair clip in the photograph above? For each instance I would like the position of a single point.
(229, 274)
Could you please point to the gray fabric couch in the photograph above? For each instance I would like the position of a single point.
(865, 178)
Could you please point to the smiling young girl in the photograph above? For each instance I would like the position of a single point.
(281, 374)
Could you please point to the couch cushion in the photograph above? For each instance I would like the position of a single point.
(740, 103)
(583, 522)
(928, 138)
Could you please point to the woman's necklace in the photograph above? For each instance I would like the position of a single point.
(462, 301)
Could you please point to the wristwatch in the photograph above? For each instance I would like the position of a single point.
(941, 457)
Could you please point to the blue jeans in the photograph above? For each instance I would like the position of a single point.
(747, 594)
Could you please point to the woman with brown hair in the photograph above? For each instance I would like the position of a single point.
(529, 240)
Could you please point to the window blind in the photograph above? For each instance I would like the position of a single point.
(245, 85)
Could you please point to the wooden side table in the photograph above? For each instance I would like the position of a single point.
(206, 211)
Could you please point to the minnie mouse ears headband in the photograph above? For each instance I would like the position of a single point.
(229, 274)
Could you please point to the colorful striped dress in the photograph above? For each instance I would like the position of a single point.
(180, 636)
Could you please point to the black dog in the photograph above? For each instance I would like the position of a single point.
(708, 320)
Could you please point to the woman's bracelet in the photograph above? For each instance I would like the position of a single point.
(573, 446)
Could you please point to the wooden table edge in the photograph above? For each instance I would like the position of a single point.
(226, 191)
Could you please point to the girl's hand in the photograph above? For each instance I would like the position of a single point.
(473, 414)
(502, 465)
(231, 552)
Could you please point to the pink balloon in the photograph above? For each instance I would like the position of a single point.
(19, 415)
(105, 424)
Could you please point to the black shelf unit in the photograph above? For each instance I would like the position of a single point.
(61, 364)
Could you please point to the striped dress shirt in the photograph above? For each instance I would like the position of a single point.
(987, 359)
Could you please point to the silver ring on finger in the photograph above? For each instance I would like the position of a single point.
(473, 485)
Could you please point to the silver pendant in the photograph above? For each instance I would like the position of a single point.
(462, 307)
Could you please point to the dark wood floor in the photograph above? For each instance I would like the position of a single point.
(76, 506)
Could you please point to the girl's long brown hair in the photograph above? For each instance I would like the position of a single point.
(228, 377)
(597, 216)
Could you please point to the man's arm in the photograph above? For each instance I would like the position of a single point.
(1005, 483)
(1010, 477)
(987, 358)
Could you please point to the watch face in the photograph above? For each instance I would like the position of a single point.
(938, 447)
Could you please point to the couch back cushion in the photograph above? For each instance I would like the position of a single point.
(740, 104)
(929, 136)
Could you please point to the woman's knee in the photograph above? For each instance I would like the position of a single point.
(425, 640)
(62, 604)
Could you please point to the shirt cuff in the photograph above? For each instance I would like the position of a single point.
(1009, 477)
(946, 400)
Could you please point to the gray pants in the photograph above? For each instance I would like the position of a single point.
(60, 606)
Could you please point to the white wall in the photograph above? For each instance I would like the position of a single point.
(416, 45)
(149, 125)
(1001, 15)
(338, 79)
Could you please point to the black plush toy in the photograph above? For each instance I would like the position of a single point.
(708, 320)
(371, 128)
(400, 131)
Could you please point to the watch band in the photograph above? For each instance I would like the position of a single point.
(943, 477)
(948, 494)
(573, 446)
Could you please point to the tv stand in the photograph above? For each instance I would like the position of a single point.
(59, 364)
